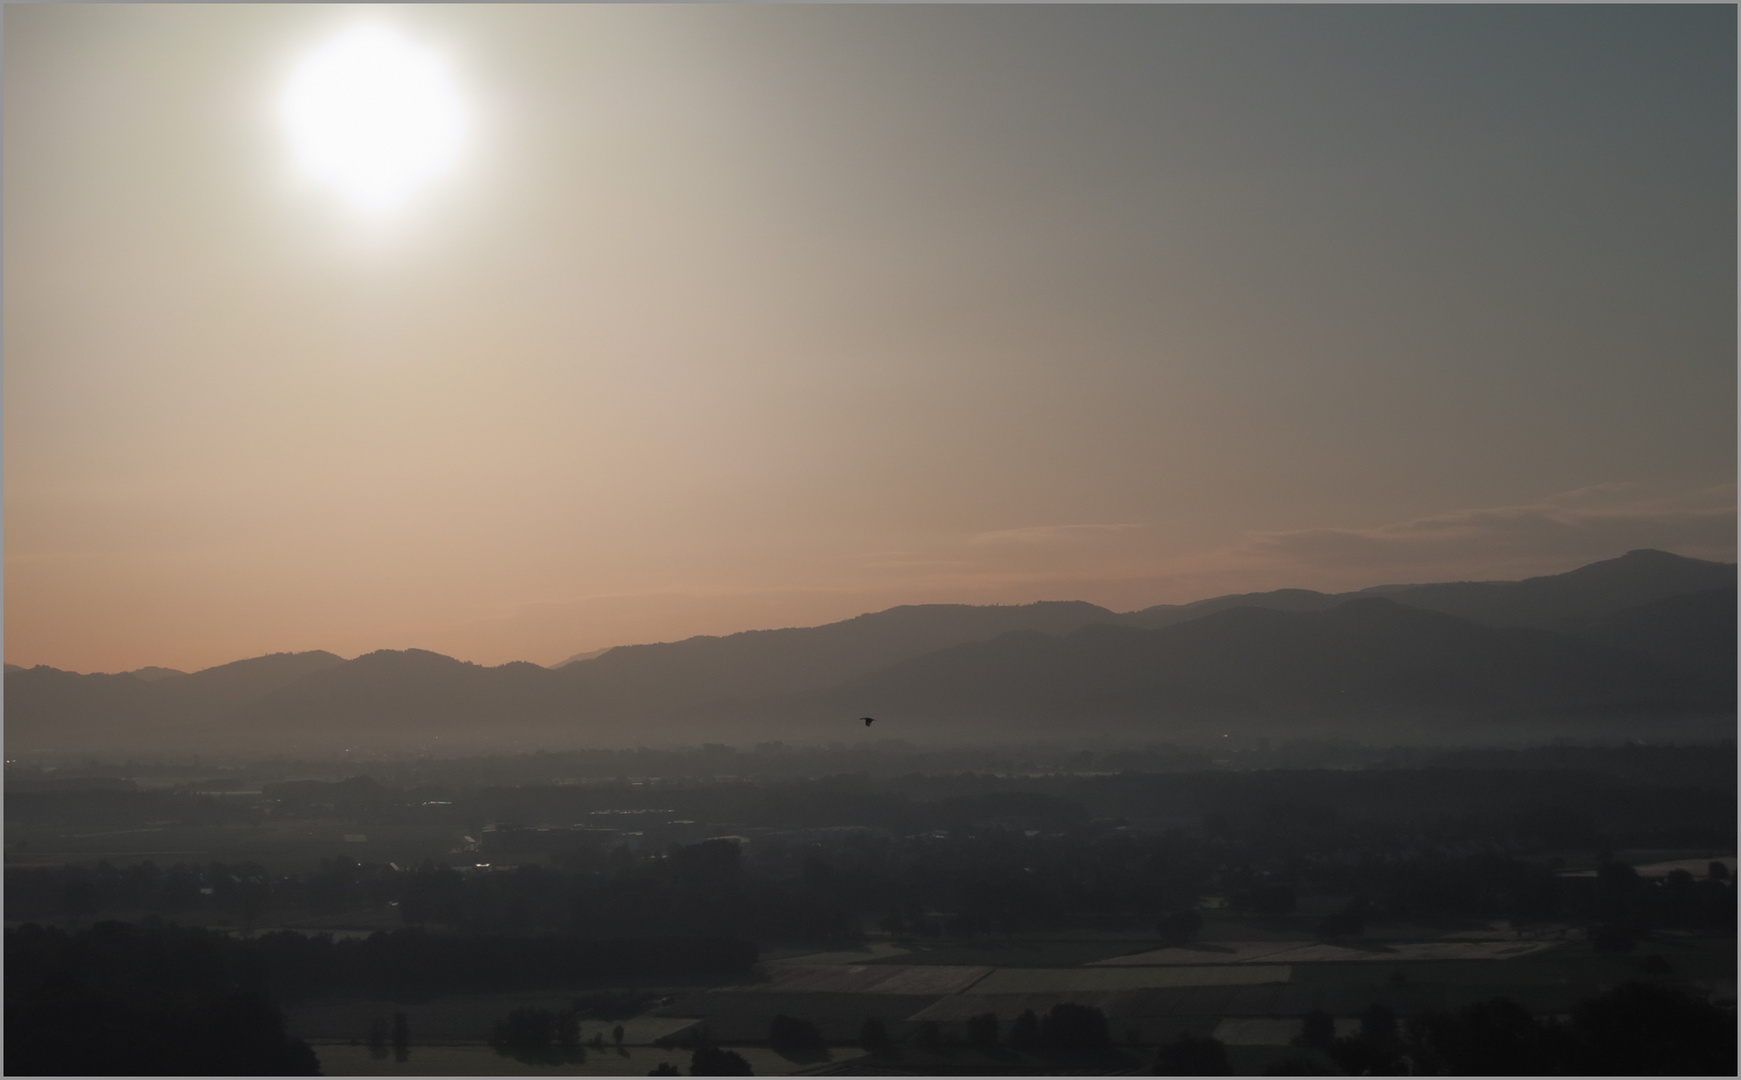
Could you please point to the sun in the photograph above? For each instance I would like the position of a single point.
(373, 116)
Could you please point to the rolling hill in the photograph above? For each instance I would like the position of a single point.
(1557, 601)
(1645, 634)
(1363, 658)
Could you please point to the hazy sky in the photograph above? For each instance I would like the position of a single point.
(738, 317)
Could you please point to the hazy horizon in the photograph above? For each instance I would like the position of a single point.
(588, 653)
(731, 318)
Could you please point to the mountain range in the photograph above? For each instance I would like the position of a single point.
(1648, 634)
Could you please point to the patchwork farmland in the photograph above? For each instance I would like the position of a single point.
(1288, 918)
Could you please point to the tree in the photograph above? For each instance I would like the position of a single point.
(982, 1031)
(1193, 1055)
(1072, 1029)
(1178, 927)
(530, 1035)
(664, 1068)
(1618, 936)
(1025, 1032)
(874, 1036)
(1270, 900)
(1317, 1029)
(788, 1033)
(1649, 1029)
(1488, 1038)
(1378, 1024)
(539, 1036)
(1348, 921)
(1376, 1051)
(711, 866)
(130, 1000)
(710, 1060)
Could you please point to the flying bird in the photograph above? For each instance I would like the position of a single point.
(869, 720)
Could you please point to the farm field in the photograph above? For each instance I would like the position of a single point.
(1222, 940)
(1103, 979)
(1025, 951)
(881, 950)
(735, 1016)
(854, 979)
(455, 1018)
(1412, 950)
(942, 901)
(281, 846)
(1201, 952)
(1256, 1003)
(343, 1059)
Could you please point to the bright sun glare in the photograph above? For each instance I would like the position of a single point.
(373, 116)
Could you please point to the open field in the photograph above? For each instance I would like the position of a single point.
(342, 1059)
(955, 897)
(1103, 979)
(1202, 952)
(856, 979)
(1027, 950)
(1255, 1002)
(881, 950)
(455, 1018)
(1301, 952)
(742, 1016)
(1308, 952)
(280, 846)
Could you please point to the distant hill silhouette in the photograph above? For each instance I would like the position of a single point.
(1368, 657)
(1638, 577)
(578, 657)
(759, 663)
(1279, 600)
(219, 689)
(1694, 633)
(49, 707)
(1645, 634)
(152, 674)
(414, 692)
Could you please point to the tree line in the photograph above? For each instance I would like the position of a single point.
(986, 881)
(154, 997)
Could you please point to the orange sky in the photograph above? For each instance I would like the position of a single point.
(738, 317)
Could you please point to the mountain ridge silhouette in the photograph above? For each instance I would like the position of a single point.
(1649, 632)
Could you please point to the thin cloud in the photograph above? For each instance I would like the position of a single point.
(1588, 524)
(1051, 534)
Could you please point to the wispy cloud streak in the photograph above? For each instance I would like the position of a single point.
(1591, 523)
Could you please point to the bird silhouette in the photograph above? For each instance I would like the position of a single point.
(869, 720)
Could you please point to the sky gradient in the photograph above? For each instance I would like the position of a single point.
(733, 317)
